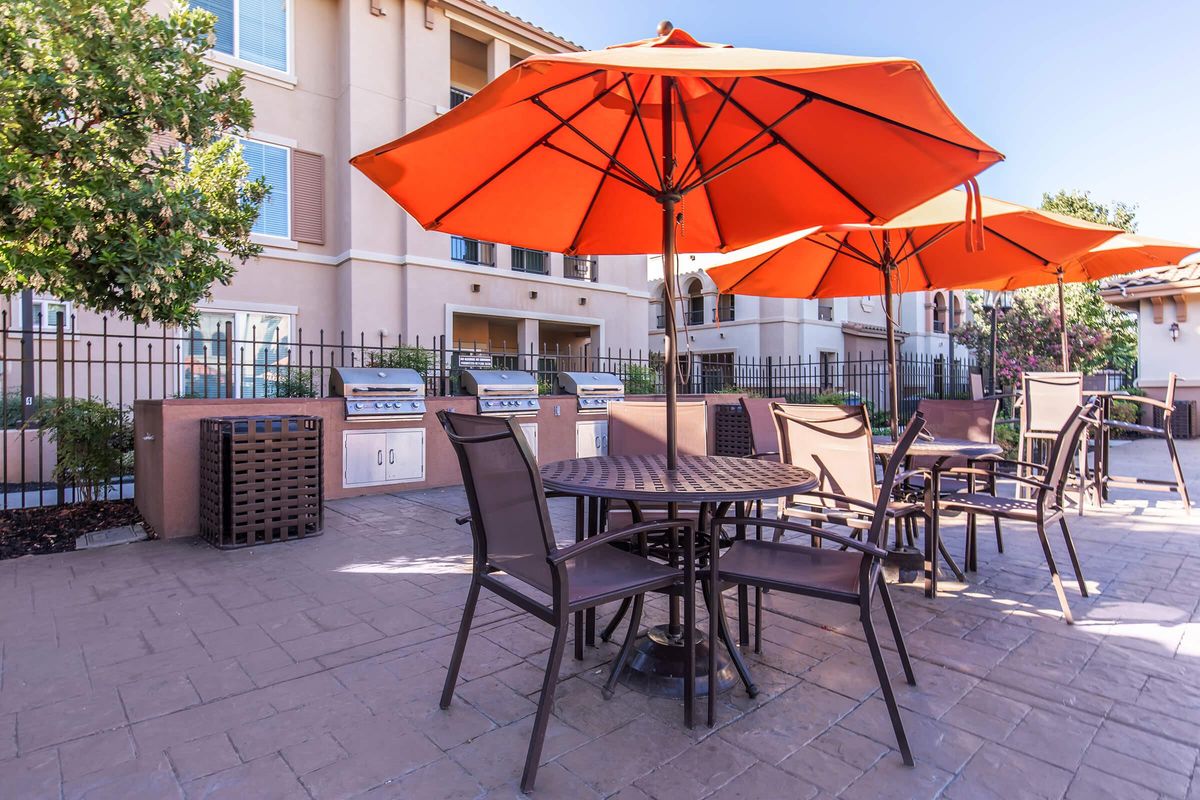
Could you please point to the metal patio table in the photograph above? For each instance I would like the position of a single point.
(712, 483)
(941, 449)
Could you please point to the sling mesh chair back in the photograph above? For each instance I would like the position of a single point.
(637, 428)
(1047, 400)
(1167, 408)
(849, 573)
(764, 435)
(1048, 485)
(512, 536)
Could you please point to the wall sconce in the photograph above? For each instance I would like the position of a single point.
(583, 301)
(1174, 329)
(377, 8)
(475, 288)
(533, 295)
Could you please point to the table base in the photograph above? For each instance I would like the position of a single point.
(657, 665)
(908, 560)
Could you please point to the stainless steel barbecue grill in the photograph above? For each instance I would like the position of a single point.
(502, 392)
(593, 390)
(374, 393)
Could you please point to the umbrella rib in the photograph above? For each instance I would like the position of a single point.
(1022, 248)
(586, 163)
(705, 180)
(865, 112)
(916, 255)
(545, 137)
(854, 252)
(637, 113)
(768, 130)
(797, 154)
(600, 185)
(565, 122)
(567, 83)
(829, 267)
(695, 159)
(753, 270)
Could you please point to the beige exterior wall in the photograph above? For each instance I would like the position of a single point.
(1158, 353)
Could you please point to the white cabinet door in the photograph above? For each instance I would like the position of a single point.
(364, 457)
(405, 457)
(591, 438)
(531, 435)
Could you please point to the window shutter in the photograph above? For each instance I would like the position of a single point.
(224, 27)
(308, 197)
(161, 142)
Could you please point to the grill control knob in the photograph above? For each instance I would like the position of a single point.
(378, 404)
(413, 404)
(358, 405)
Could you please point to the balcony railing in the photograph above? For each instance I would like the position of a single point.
(472, 251)
(661, 321)
(581, 268)
(825, 313)
(695, 316)
(458, 96)
(723, 314)
(939, 326)
(534, 261)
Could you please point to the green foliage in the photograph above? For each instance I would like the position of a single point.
(1081, 206)
(92, 207)
(295, 382)
(1008, 437)
(403, 357)
(95, 443)
(545, 385)
(640, 379)
(13, 418)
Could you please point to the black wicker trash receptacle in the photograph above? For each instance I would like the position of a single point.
(732, 431)
(260, 479)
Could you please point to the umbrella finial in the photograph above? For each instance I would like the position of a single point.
(665, 27)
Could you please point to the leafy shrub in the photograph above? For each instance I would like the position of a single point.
(297, 383)
(95, 443)
(640, 379)
(545, 386)
(1007, 436)
(13, 418)
(403, 357)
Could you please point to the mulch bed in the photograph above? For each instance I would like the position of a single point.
(52, 529)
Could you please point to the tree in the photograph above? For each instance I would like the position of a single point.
(1099, 335)
(96, 205)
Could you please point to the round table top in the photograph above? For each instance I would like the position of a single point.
(939, 446)
(713, 479)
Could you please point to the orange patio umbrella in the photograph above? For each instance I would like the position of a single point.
(670, 143)
(928, 247)
(1124, 253)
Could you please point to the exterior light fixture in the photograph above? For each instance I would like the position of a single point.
(475, 288)
(1174, 331)
(583, 301)
(533, 295)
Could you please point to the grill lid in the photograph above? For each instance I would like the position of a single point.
(498, 382)
(591, 383)
(373, 381)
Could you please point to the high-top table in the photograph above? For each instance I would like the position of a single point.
(700, 484)
(941, 449)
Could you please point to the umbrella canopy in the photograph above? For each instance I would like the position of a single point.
(929, 247)
(629, 149)
(1123, 253)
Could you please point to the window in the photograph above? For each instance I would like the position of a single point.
(725, 310)
(825, 311)
(458, 96)
(716, 372)
(829, 369)
(534, 261)
(252, 30)
(939, 313)
(261, 351)
(46, 310)
(273, 162)
(580, 268)
(472, 251)
(695, 304)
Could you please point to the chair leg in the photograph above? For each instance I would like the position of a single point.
(611, 628)
(999, 535)
(897, 634)
(734, 654)
(743, 596)
(758, 597)
(618, 665)
(712, 599)
(1066, 532)
(460, 644)
(885, 684)
(545, 706)
(1054, 576)
(1180, 483)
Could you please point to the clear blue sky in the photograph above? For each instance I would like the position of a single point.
(1101, 95)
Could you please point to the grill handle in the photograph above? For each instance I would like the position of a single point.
(387, 389)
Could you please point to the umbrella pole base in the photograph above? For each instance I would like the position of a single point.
(657, 666)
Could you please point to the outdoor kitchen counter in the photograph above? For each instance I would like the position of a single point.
(167, 447)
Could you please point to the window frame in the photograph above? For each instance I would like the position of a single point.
(236, 59)
(272, 238)
(241, 335)
(41, 325)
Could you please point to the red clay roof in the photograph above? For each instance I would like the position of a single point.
(1181, 273)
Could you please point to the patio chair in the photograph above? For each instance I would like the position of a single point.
(973, 421)
(1047, 505)
(1047, 400)
(516, 556)
(1167, 406)
(764, 436)
(852, 575)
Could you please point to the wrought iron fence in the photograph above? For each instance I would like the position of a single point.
(117, 363)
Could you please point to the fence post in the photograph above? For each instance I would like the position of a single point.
(770, 377)
(228, 359)
(27, 371)
(59, 380)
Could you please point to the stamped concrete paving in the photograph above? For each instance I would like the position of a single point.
(170, 669)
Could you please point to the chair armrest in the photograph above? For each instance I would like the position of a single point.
(989, 474)
(463, 520)
(846, 541)
(901, 477)
(838, 498)
(1013, 461)
(572, 551)
(1137, 398)
(767, 454)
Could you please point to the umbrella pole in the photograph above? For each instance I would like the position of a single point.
(893, 370)
(670, 346)
(1062, 323)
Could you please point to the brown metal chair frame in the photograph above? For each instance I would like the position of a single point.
(870, 578)
(1179, 485)
(558, 612)
(1048, 503)
(1032, 432)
